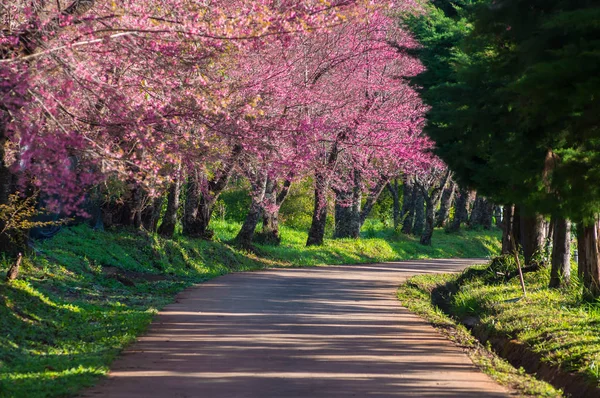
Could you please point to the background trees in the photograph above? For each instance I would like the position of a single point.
(514, 115)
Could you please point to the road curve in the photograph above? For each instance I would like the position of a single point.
(334, 331)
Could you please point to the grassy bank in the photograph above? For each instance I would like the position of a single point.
(84, 295)
(377, 244)
(554, 332)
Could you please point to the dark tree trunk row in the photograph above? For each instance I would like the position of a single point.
(393, 189)
(347, 210)
(372, 197)
(409, 193)
(588, 247)
(259, 187)
(199, 205)
(432, 195)
(169, 220)
(461, 210)
(316, 234)
(560, 273)
(419, 223)
(138, 198)
(192, 225)
(429, 218)
(481, 214)
(349, 216)
(445, 205)
(151, 214)
(270, 229)
(533, 238)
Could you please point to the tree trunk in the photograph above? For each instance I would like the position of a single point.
(498, 215)
(487, 219)
(429, 222)
(347, 217)
(560, 273)
(550, 230)
(445, 205)
(419, 225)
(533, 237)
(393, 189)
(134, 207)
(478, 213)
(580, 251)
(374, 194)
(589, 259)
(205, 211)
(409, 198)
(169, 221)
(153, 213)
(192, 225)
(316, 234)
(199, 205)
(347, 211)
(198, 222)
(472, 195)
(432, 195)
(270, 229)
(508, 245)
(516, 228)
(461, 213)
(246, 234)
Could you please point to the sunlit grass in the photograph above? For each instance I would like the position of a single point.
(556, 324)
(377, 244)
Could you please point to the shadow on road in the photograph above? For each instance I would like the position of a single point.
(321, 332)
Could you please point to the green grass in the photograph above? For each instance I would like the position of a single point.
(377, 244)
(416, 296)
(65, 319)
(555, 324)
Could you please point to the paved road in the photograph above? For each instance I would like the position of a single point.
(310, 333)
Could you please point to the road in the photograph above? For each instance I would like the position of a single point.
(334, 331)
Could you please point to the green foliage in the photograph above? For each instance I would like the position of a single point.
(383, 210)
(513, 93)
(233, 205)
(17, 217)
(296, 211)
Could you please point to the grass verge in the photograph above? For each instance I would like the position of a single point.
(378, 244)
(551, 332)
(84, 295)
